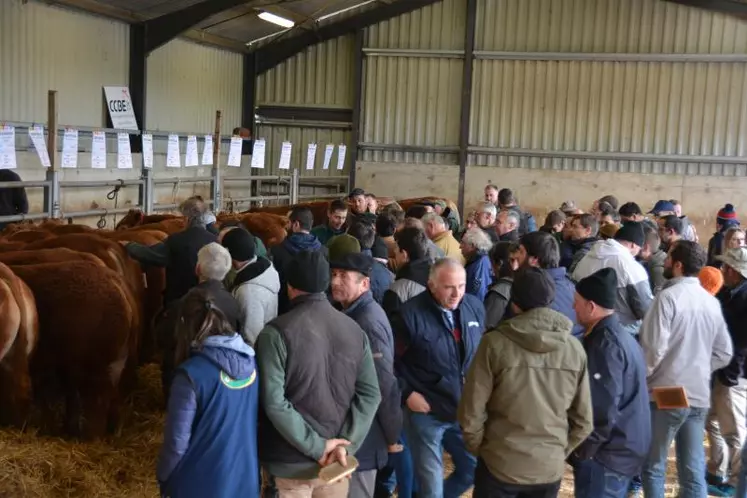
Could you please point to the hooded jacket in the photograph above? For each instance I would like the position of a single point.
(449, 245)
(210, 439)
(579, 249)
(526, 404)
(688, 229)
(256, 289)
(634, 295)
(496, 302)
(411, 280)
(282, 255)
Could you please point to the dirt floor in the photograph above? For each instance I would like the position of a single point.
(122, 466)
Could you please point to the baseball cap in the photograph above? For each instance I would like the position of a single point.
(661, 206)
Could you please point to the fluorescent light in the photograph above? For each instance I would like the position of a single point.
(280, 21)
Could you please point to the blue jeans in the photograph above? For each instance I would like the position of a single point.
(685, 426)
(428, 438)
(593, 480)
(398, 473)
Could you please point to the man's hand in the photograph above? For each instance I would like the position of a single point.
(331, 452)
(417, 403)
(395, 448)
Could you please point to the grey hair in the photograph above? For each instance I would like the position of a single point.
(477, 238)
(487, 207)
(214, 261)
(450, 263)
(193, 209)
(512, 216)
(435, 218)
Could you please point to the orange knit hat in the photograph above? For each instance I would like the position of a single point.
(711, 279)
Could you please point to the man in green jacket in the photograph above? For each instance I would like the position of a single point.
(526, 403)
(337, 214)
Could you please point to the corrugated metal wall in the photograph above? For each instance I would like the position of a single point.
(188, 82)
(413, 100)
(46, 48)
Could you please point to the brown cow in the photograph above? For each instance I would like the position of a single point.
(40, 256)
(85, 327)
(135, 217)
(19, 332)
(318, 209)
(29, 235)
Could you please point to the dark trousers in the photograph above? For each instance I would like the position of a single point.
(487, 486)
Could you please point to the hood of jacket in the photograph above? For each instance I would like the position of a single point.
(416, 270)
(657, 259)
(229, 353)
(540, 330)
(299, 241)
(578, 244)
(259, 272)
(609, 248)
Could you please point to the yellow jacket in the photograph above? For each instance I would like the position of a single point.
(449, 245)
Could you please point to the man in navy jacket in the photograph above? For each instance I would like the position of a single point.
(614, 453)
(436, 335)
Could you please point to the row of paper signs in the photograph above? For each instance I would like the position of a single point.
(69, 157)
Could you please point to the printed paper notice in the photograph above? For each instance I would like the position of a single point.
(341, 151)
(98, 150)
(328, 156)
(207, 151)
(172, 153)
(8, 147)
(258, 154)
(234, 153)
(285, 155)
(147, 151)
(311, 157)
(70, 149)
(36, 133)
(192, 158)
(124, 153)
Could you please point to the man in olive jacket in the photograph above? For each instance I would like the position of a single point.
(526, 404)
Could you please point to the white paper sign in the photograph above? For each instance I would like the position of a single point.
(285, 155)
(147, 151)
(98, 150)
(36, 133)
(311, 157)
(234, 153)
(119, 105)
(258, 154)
(192, 158)
(328, 155)
(7, 147)
(124, 153)
(70, 149)
(207, 151)
(341, 151)
(173, 160)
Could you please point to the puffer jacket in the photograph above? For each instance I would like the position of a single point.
(655, 269)
(634, 295)
(411, 280)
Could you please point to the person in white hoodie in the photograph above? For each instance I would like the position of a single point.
(256, 285)
(634, 295)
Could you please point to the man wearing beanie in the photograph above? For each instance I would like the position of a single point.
(684, 339)
(255, 286)
(614, 453)
(351, 283)
(437, 333)
(633, 289)
(526, 403)
(319, 392)
(725, 219)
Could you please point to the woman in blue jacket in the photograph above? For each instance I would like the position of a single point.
(475, 247)
(210, 439)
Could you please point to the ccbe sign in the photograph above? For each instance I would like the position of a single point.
(119, 105)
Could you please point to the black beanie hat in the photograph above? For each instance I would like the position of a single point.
(600, 287)
(532, 288)
(632, 231)
(240, 244)
(308, 271)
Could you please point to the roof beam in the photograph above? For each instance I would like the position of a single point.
(732, 7)
(272, 54)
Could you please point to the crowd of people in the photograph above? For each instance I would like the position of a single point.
(595, 341)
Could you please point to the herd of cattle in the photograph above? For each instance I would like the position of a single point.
(76, 313)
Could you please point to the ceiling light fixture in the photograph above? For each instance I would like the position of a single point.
(280, 21)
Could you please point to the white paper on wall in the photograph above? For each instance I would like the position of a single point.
(192, 158)
(311, 157)
(207, 151)
(341, 151)
(147, 150)
(69, 157)
(8, 147)
(285, 155)
(173, 159)
(98, 150)
(258, 154)
(328, 151)
(124, 153)
(234, 152)
(36, 133)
